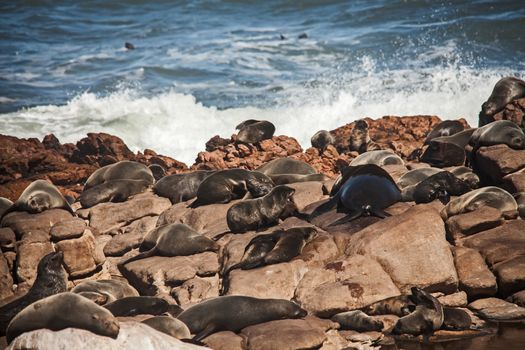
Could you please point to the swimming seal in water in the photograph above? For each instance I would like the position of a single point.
(358, 321)
(444, 128)
(321, 140)
(439, 186)
(235, 312)
(505, 91)
(181, 187)
(39, 196)
(61, 311)
(126, 169)
(252, 214)
(286, 166)
(112, 191)
(137, 305)
(51, 278)
(253, 131)
(227, 185)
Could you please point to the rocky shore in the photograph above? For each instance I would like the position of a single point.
(472, 261)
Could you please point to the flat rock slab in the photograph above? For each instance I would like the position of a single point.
(307, 193)
(499, 160)
(458, 299)
(412, 248)
(80, 256)
(225, 341)
(196, 289)
(497, 309)
(473, 222)
(67, 229)
(511, 275)
(22, 222)
(130, 236)
(29, 255)
(475, 278)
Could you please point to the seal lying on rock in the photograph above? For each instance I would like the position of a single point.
(137, 305)
(447, 151)
(233, 313)
(112, 289)
(466, 174)
(498, 132)
(252, 131)
(321, 140)
(64, 310)
(427, 317)
(158, 171)
(439, 186)
(415, 176)
(125, 169)
(169, 325)
(181, 187)
(112, 191)
(455, 319)
(378, 157)
(399, 305)
(505, 91)
(51, 278)
(227, 185)
(39, 196)
(286, 166)
(444, 128)
(252, 214)
(284, 179)
(358, 321)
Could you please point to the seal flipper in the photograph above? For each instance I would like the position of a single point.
(352, 216)
(323, 208)
(380, 213)
(210, 329)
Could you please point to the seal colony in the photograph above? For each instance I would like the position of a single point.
(409, 247)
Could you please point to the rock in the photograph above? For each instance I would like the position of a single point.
(517, 298)
(412, 249)
(458, 299)
(22, 222)
(106, 217)
(276, 281)
(475, 278)
(80, 257)
(328, 163)
(344, 285)
(513, 111)
(67, 229)
(6, 279)
(130, 236)
(466, 224)
(132, 335)
(498, 161)
(319, 250)
(284, 334)
(511, 275)
(497, 309)
(224, 341)
(307, 193)
(153, 275)
(501, 243)
(29, 255)
(196, 289)
(514, 183)
(7, 239)
(101, 149)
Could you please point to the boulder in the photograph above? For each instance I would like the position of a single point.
(307, 193)
(22, 222)
(67, 229)
(497, 309)
(130, 236)
(319, 250)
(514, 182)
(517, 298)
(196, 289)
(7, 239)
(513, 111)
(6, 279)
(511, 275)
(498, 161)
(466, 224)
(458, 299)
(412, 248)
(29, 255)
(224, 341)
(80, 257)
(475, 278)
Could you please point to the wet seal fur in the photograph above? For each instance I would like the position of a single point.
(112, 289)
(358, 321)
(286, 166)
(439, 186)
(181, 187)
(39, 196)
(252, 214)
(123, 170)
(51, 278)
(235, 312)
(137, 305)
(112, 191)
(227, 185)
(253, 131)
(321, 140)
(64, 310)
(444, 128)
(427, 317)
(169, 325)
(505, 91)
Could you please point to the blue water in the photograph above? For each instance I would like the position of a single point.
(200, 67)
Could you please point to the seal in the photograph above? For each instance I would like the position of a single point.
(440, 186)
(520, 201)
(5, 204)
(181, 187)
(169, 325)
(126, 169)
(138, 305)
(427, 317)
(112, 191)
(158, 171)
(286, 166)
(455, 319)
(466, 174)
(289, 245)
(358, 321)
(350, 171)
(490, 196)
(252, 214)
(366, 191)
(253, 131)
(235, 312)
(174, 240)
(96, 297)
(446, 151)
(398, 305)
(227, 185)
(111, 289)
(40, 195)
(284, 179)
(51, 278)
(496, 133)
(444, 128)
(321, 140)
(64, 310)
(359, 137)
(505, 91)
(379, 157)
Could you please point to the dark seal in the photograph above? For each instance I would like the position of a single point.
(439, 186)
(127, 170)
(138, 305)
(253, 131)
(444, 128)
(286, 166)
(158, 171)
(112, 191)
(455, 319)
(5, 204)
(321, 140)
(358, 321)
(505, 91)
(181, 187)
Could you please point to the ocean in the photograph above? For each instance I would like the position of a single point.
(201, 67)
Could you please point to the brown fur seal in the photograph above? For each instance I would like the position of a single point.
(112, 289)
(51, 278)
(64, 310)
(447, 151)
(253, 131)
(444, 128)
(112, 191)
(252, 214)
(138, 305)
(455, 319)
(284, 179)
(379, 158)
(227, 185)
(125, 169)
(498, 132)
(359, 138)
(181, 187)
(398, 305)
(235, 312)
(505, 91)
(158, 171)
(286, 166)
(427, 317)
(358, 321)
(5, 204)
(170, 326)
(466, 174)
(439, 186)
(40, 195)
(322, 139)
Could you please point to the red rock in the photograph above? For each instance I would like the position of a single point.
(498, 161)
(511, 275)
(473, 222)
(6, 279)
(475, 278)
(514, 111)
(225, 340)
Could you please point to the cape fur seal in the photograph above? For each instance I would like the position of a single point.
(415, 176)
(439, 186)
(378, 157)
(126, 169)
(181, 187)
(286, 166)
(358, 321)
(169, 325)
(455, 319)
(5, 204)
(447, 151)
(112, 191)
(444, 128)
(498, 132)
(112, 289)
(505, 91)
(399, 305)
(252, 214)
(51, 278)
(359, 138)
(64, 310)
(137, 305)
(321, 140)
(158, 171)
(284, 179)
(235, 312)
(466, 174)
(253, 131)
(40, 195)
(227, 185)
